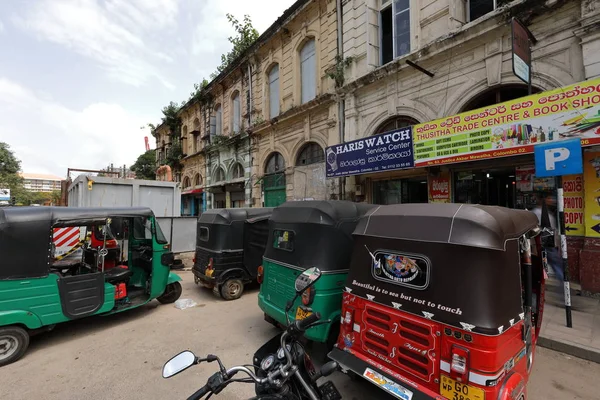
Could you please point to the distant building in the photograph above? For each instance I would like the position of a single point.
(41, 182)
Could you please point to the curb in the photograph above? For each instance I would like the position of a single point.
(570, 349)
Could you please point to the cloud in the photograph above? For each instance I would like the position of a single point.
(1, 27)
(60, 137)
(113, 33)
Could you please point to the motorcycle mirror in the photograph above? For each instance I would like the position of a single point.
(307, 279)
(180, 362)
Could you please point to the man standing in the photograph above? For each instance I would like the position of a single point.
(549, 242)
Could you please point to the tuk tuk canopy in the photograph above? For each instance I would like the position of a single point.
(223, 229)
(303, 234)
(461, 224)
(456, 264)
(26, 234)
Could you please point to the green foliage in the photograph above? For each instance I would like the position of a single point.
(246, 35)
(9, 172)
(174, 156)
(337, 74)
(199, 92)
(145, 166)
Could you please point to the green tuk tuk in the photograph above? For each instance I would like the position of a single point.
(305, 234)
(39, 289)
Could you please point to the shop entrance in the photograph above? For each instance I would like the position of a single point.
(400, 191)
(492, 187)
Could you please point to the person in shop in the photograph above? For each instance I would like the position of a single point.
(545, 211)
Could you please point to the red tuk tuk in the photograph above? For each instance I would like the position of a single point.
(443, 301)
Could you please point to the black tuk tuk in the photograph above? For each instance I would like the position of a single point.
(230, 243)
(443, 301)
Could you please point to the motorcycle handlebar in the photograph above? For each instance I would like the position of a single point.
(203, 391)
(303, 324)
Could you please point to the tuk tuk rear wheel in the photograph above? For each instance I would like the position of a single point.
(171, 294)
(232, 289)
(13, 344)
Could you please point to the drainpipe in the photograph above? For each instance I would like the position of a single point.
(341, 102)
(250, 161)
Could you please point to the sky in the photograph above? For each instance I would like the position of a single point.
(80, 78)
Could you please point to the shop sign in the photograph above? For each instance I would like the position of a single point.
(521, 51)
(4, 194)
(512, 128)
(591, 178)
(385, 152)
(524, 178)
(439, 188)
(573, 205)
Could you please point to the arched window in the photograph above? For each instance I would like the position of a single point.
(195, 137)
(273, 79)
(186, 182)
(275, 164)
(498, 95)
(311, 153)
(219, 175)
(397, 122)
(197, 180)
(218, 130)
(236, 113)
(237, 171)
(308, 71)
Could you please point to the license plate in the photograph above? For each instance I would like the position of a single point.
(388, 385)
(453, 390)
(301, 314)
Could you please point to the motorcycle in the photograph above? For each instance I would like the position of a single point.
(282, 367)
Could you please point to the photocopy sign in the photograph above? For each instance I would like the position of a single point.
(384, 152)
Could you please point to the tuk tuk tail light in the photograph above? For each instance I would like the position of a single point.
(459, 367)
(210, 263)
(260, 274)
(308, 296)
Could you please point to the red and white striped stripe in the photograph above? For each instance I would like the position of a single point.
(66, 237)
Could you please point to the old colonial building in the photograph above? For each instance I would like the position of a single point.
(415, 62)
(295, 113)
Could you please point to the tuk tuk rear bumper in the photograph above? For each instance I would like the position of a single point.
(203, 278)
(356, 364)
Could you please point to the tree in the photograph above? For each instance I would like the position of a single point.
(246, 36)
(145, 166)
(9, 174)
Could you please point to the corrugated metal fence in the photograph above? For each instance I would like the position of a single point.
(180, 232)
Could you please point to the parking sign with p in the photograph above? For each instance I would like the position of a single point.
(558, 158)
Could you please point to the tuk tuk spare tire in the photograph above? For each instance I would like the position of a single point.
(171, 294)
(232, 289)
(14, 341)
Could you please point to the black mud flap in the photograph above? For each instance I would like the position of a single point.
(81, 295)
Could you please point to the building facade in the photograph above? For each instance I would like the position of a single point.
(41, 182)
(418, 62)
(295, 110)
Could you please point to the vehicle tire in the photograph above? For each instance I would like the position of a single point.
(13, 344)
(232, 289)
(171, 294)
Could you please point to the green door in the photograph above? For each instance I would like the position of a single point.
(274, 187)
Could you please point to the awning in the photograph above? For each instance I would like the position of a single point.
(193, 191)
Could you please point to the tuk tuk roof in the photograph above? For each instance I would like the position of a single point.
(226, 216)
(26, 234)
(461, 224)
(323, 212)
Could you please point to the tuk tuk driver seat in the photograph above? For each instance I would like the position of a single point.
(120, 273)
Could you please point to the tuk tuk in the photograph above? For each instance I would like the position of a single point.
(39, 290)
(305, 234)
(230, 243)
(443, 301)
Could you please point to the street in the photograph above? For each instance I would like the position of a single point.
(121, 357)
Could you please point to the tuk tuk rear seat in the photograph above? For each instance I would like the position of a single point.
(120, 273)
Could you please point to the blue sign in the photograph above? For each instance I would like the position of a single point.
(558, 158)
(385, 152)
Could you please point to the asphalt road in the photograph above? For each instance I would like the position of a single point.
(121, 356)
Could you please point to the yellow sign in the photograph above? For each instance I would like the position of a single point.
(573, 200)
(511, 128)
(591, 176)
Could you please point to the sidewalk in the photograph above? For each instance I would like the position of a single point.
(583, 339)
